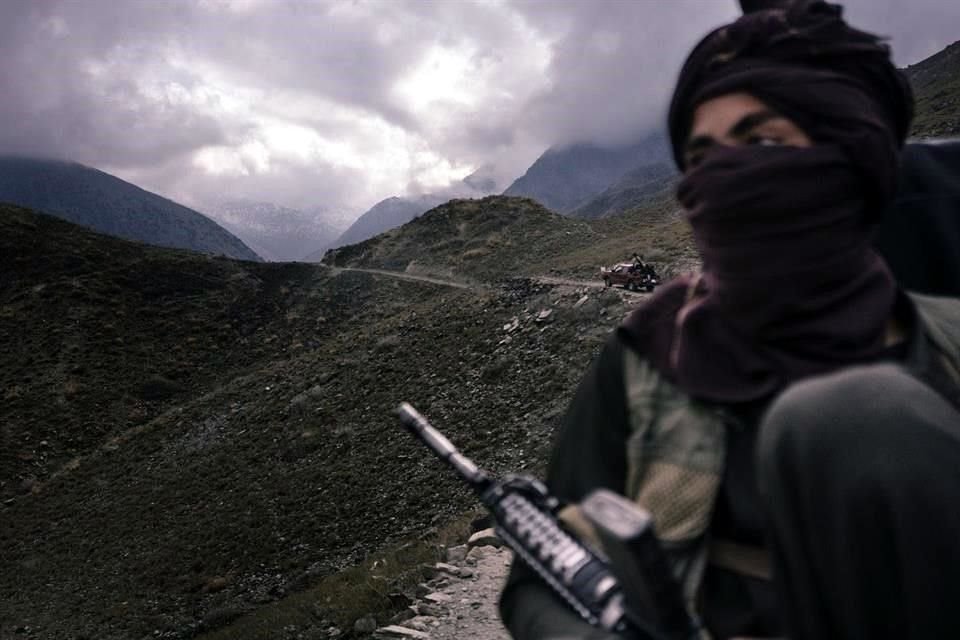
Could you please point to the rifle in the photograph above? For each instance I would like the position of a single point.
(628, 590)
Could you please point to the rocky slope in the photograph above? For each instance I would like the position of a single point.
(189, 440)
(383, 216)
(636, 188)
(936, 83)
(482, 240)
(566, 178)
(95, 199)
(495, 237)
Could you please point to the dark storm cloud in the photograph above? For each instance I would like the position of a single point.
(916, 29)
(140, 87)
(69, 90)
(612, 70)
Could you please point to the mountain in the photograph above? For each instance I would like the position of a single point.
(563, 179)
(936, 85)
(487, 239)
(395, 211)
(633, 189)
(383, 216)
(483, 180)
(95, 199)
(277, 233)
(194, 446)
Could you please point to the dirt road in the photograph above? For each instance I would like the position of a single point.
(593, 284)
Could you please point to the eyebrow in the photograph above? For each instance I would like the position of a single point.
(750, 122)
(743, 126)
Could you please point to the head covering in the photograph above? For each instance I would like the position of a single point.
(791, 286)
(835, 82)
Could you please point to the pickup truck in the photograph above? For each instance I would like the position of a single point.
(632, 276)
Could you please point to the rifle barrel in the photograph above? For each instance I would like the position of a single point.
(443, 448)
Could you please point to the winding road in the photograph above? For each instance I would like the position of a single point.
(593, 284)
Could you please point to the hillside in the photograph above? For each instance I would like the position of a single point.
(566, 178)
(184, 444)
(276, 233)
(936, 84)
(498, 237)
(95, 199)
(482, 240)
(634, 189)
(383, 216)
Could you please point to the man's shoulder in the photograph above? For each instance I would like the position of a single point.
(941, 319)
(938, 308)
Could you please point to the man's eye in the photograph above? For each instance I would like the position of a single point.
(764, 141)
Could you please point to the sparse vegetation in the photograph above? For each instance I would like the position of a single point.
(936, 84)
(495, 237)
(188, 440)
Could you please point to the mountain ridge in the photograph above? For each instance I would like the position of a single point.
(936, 84)
(277, 233)
(563, 179)
(93, 198)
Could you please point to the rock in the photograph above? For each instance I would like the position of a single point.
(27, 485)
(485, 538)
(421, 623)
(215, 584)
(544, 315)
(447, 568)
(396, 631)
(429, 571)
(456, 555)
(366, 624)
(404, 615)
(398, 599)
(439, 583)
(428, 609)
(219, 617)
(476, 554)
(438, 597)
(582, 301)
(481, 522)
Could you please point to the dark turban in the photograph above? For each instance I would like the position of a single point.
(835, 82)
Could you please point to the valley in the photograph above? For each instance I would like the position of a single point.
(189, 441)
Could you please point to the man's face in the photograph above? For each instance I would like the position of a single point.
(738, 119)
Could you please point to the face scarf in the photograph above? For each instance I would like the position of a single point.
(790, 286)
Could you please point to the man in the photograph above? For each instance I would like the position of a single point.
(790, 416)
(919, 236)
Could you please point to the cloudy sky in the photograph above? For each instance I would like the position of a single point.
(340, 103)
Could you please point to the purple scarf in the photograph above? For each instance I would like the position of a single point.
(791, 286)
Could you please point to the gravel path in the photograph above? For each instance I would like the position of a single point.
(407, 276)
(473, 605)
(593, 284)
(462, 605)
